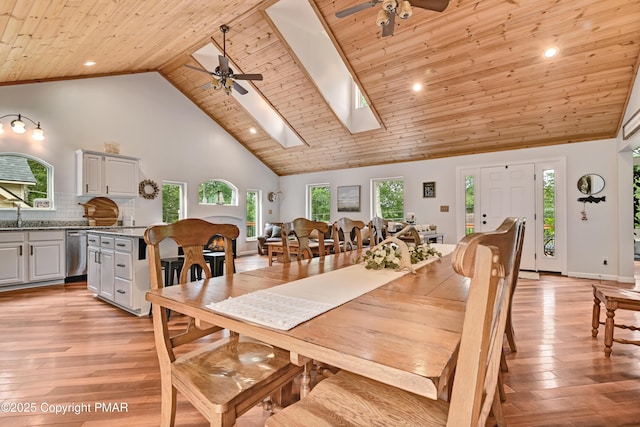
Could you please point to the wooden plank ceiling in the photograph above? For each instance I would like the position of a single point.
(486, 84)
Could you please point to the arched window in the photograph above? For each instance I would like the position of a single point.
(218, 192)
(25, 181)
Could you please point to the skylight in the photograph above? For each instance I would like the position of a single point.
(253, 102)
(304, 33)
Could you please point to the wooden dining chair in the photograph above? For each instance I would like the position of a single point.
(303, 229)
(346, 227)
(378, 230)
(509, 331)
(226, 377)
(349, 399)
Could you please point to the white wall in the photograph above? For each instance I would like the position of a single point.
(151, 120)
(588, 241)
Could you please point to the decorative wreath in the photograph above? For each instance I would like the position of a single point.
(148, 189)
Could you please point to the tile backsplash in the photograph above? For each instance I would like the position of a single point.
(67, 210)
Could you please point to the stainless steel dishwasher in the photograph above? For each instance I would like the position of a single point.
(76, 255)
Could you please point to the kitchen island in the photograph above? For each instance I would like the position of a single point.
(117, 268)
(36, 254)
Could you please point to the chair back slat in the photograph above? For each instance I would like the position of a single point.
(378, 230)
(488, 259)
(302, 229)
(192, 235)
(346, 227)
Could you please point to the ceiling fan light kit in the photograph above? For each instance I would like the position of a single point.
(223, 75)
(391, 8)
(383, 18)
(405, 10)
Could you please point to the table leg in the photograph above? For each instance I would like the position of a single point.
(608, 331)
(595, 317)
(305, 381)
(270, 255)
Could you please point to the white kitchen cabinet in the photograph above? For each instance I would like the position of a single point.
(91, 174)
(93, 264)
(102, 174)
(100, 265)
(12, 258)
(33, 256)
(46, 255)
(107, 267)
(118, 271)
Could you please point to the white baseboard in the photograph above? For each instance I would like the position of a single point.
(594, 276)
(533, 275)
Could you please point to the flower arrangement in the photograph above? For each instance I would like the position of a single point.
(390, 255)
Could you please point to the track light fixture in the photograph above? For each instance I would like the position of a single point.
(19, 126)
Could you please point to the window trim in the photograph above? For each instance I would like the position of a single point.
(50, 181)
(258, 215)
(308, 209)
(373, 198)
(182, 212)
(234, 192)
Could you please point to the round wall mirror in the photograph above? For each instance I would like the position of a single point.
(591, 184)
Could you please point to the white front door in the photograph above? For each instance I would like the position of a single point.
(510, 191)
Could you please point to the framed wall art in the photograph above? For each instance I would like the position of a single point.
(349, 198)
(429, 189)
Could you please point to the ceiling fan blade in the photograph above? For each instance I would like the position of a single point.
(224, 64)
(353, 9)
(435, 5)
(199, 69)
(247, 76)
(239, 89)
(387, 30)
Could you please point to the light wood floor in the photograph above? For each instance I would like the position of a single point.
(61, 346)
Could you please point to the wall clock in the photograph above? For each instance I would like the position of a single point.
(148, 189)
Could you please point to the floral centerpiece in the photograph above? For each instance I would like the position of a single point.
(395, 254)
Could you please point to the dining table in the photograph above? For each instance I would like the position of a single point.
(404, 333)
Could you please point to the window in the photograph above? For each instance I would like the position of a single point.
(549, 213)
(469, 204)
(174, 203)
(359, 101)
(388, 198)
(218, 192)
(319, 202)
(25, 180)
(253, 214)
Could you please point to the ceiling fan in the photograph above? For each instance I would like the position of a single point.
(223, 75)
(391, 8)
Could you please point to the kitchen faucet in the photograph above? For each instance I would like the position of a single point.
(19, 221)
(16, 203)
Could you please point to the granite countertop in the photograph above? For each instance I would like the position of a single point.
(122, 231)
(53, 226)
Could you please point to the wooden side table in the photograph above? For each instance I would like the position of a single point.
(613, 298)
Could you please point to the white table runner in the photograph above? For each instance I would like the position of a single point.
(286, 306)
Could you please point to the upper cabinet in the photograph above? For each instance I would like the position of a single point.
(102, 174)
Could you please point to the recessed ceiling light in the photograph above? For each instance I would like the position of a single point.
(417, 87)
(551, 52)
(90, 63)
(253, 130)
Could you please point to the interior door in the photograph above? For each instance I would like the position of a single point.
(510, 191)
